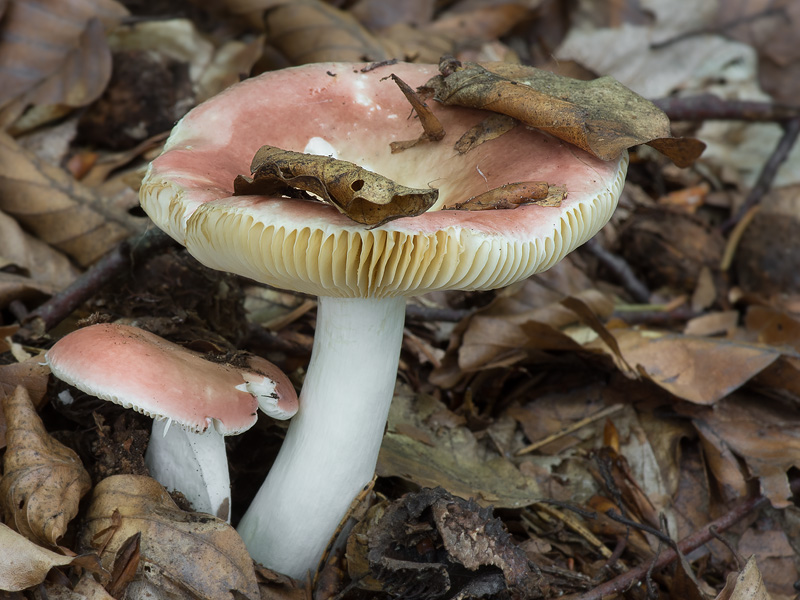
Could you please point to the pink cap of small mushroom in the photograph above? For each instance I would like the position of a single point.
(139, 370)
(362, 275)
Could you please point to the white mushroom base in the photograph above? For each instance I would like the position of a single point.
(332, 444)
(195, 464)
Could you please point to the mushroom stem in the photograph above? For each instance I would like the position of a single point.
(193, 463)
(332, 444)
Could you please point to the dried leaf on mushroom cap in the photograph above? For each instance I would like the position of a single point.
(364, 196)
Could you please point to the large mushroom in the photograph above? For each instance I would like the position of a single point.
(361, 275)
(194, 402)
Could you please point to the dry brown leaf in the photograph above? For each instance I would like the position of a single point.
(43, 480)
(307, 31)
(179, 552)
(362, 195)
(764, 433)
(514, 195)
(36, 259)
(17, 287)
(23, 564)
(48, 202)
(700, 370)
(31, 374)
(745, 585)
(601, 116)
(432, 129)
(54, 52)
(450, 457)
(490, 128)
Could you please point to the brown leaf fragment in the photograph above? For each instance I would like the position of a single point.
(514, 195)
(179, 552)
(43, 481)
(54, 52)
(362, 195)
(24, 564)
(404, 542)
(490, 128)
(47, 202)
(307, 31)
(125, 566)
(431, 126)
(748, 584)
(601, 116)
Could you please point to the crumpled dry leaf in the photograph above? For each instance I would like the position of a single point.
(18, 287)
(307, 31)
(514, 195)
(54, 52)
(601, 116)
(745, 585)
(24, 564)
(397, 549)
(43, 480)
(179, 552)
(417, 449)
(362, 195)
(48, 202)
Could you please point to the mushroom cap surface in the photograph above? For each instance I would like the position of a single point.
(336, 109)
(142, 371)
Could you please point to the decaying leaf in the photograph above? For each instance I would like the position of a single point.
(49, 203)
(450, 457)
(362, 195)
(419, 543)
(178, 551)
(43, 480)
(602, 116)
(432, 129)
(24, 564)
(63, 48)
(748, 584)
(514, 195)
(490, 128)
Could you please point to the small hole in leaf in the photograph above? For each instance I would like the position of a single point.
(357, 185)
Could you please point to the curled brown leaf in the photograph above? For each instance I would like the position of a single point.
(362, 195)
(43, 480)
(514, 195)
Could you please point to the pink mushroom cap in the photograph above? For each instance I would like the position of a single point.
(139, 370)
(336, 109)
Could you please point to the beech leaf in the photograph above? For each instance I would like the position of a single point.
(601, 116)
(362, 195)
(178, 551)
(44, 480)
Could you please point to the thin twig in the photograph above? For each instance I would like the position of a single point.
(116, 262)
(708, 107)
(621, 270)
(791, 130)
(601, 414)
(624, 581)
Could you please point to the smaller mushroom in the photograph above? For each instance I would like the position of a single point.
(204, 400)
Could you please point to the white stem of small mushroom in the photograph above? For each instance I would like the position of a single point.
(195, 464)
(332, 444)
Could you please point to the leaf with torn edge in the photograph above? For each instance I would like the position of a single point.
(514, 195)
(178, 551)
(44, 480)
(601, 116)
(362, 195)
(490, 128)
